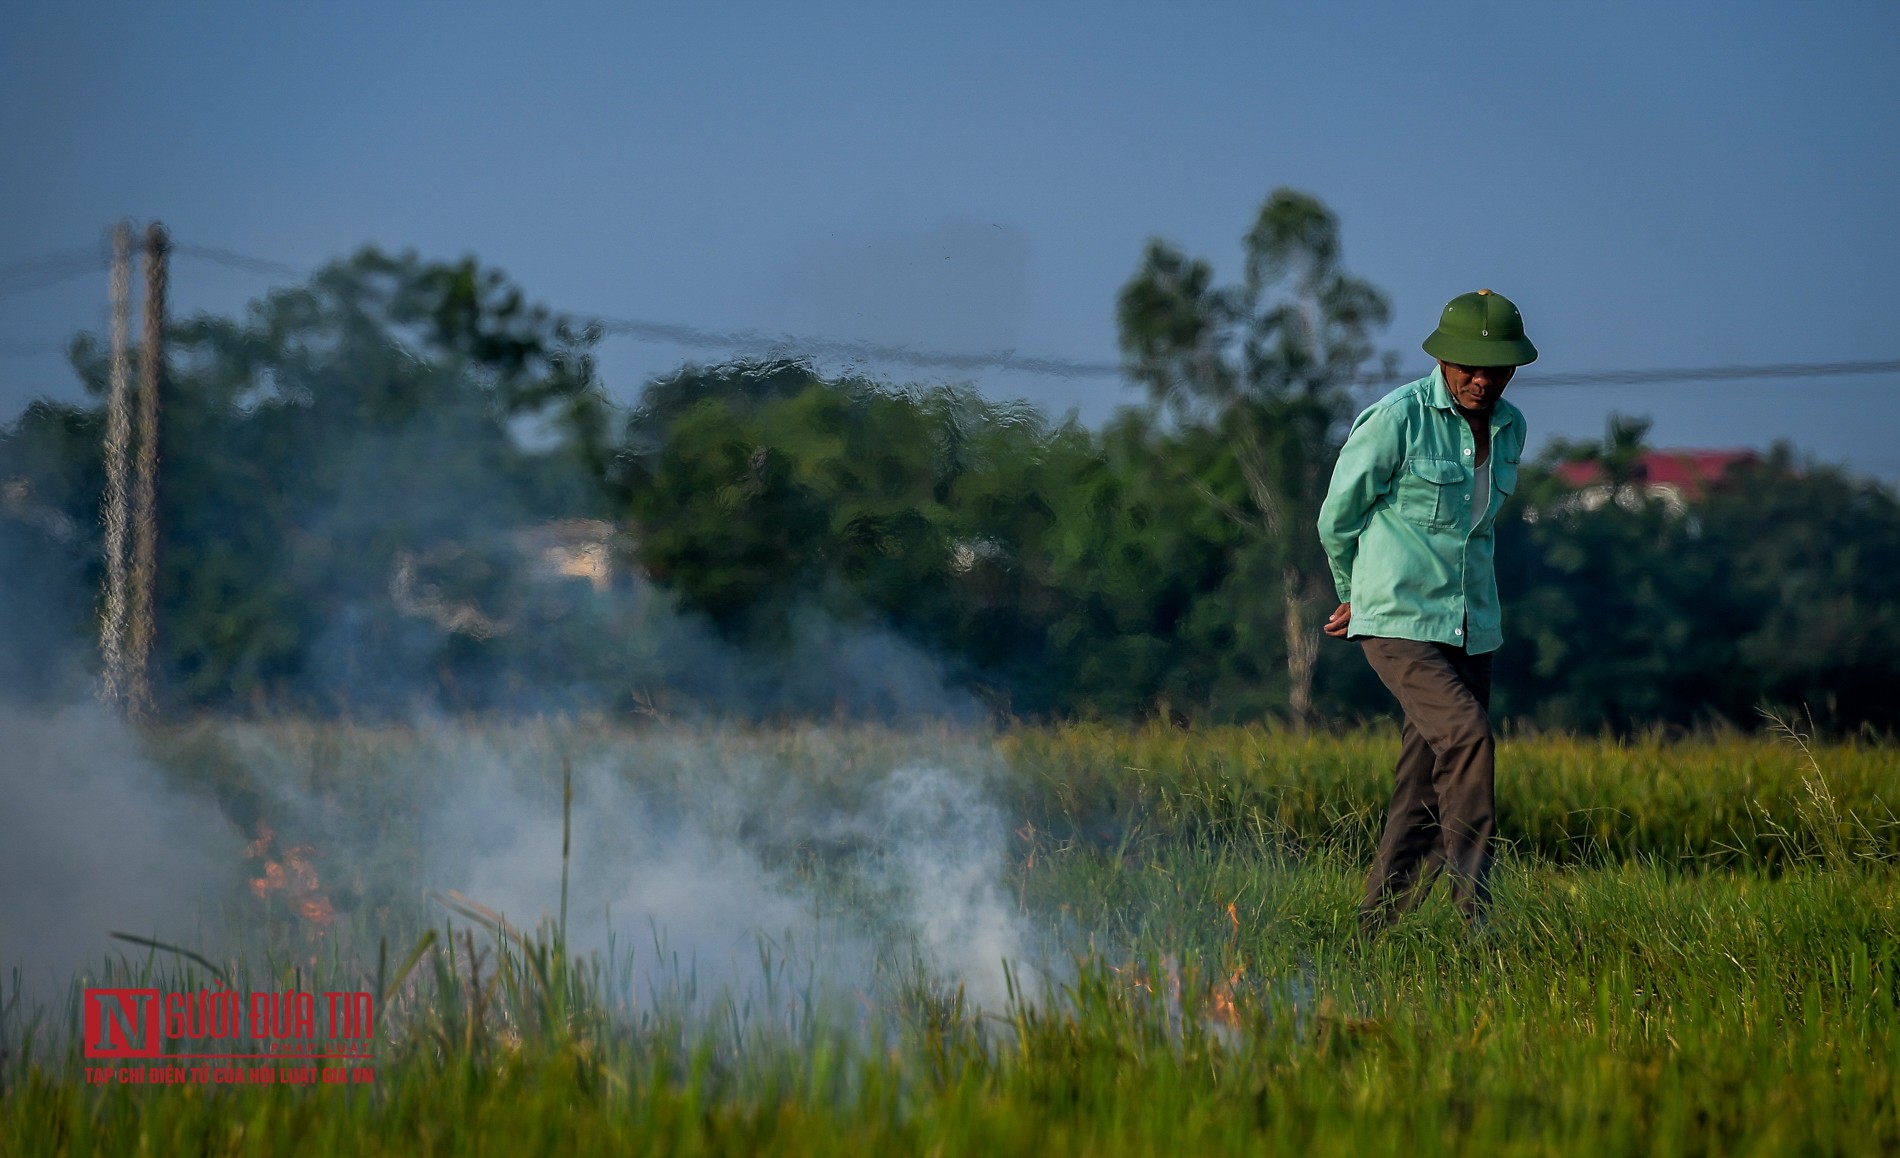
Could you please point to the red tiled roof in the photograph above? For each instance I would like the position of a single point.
(1690, 471)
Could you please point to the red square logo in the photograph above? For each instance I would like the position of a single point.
(122, 1023)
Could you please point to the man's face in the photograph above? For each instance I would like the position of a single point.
(1476, 387)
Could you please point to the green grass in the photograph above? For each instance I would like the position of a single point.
(1725, 800)
(1711, 971)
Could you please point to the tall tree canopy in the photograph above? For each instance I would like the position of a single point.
(1262, 366)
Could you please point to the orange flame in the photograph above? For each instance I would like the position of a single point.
(1222, 1005)
(293, 875)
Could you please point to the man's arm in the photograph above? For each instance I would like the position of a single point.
(1363, 475)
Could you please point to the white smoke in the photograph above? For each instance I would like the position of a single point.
(686, 841)
(856, 857)
(94, 839)
(943, 839)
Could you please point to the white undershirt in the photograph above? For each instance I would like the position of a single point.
(1481, 494)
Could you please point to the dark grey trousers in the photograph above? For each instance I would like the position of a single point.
(1443, 810)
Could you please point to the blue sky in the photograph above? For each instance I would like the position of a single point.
(1656, 185)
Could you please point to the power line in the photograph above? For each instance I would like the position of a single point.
(1715, 373)
(37, 273)
(21, 276)
(230, 258)
(30, 266)
(697, 337)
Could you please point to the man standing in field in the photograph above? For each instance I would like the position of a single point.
(1407, 526)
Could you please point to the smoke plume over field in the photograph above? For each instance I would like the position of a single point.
(693, 843)
(858, 859)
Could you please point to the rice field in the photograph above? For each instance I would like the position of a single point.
(1694, 947)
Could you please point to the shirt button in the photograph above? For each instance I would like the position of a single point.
(1467, 450)
(1457, 631)
(1467, 496)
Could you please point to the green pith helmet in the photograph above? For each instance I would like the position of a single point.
(1481, 329)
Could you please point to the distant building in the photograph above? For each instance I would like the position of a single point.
(554, 553)
(1673, 478)
(570, 549)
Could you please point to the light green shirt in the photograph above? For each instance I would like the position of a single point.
(1406, 548)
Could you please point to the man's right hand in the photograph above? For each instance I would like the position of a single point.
(1336, 626)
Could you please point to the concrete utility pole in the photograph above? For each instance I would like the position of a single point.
(112, 689)
(145, 497)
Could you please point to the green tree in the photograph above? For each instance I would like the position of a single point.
(1609, 593)
(1772, 588)
(1263, 366)
(1810, 555)
(763, 489)
(1138, 560)
(375, 412)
